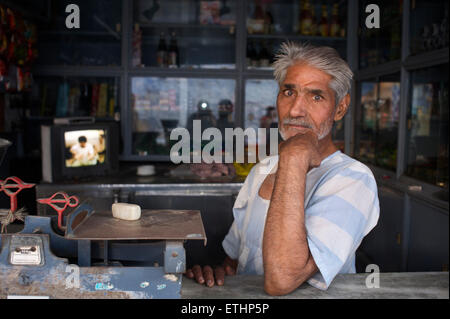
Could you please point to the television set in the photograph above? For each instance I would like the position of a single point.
(78, 151)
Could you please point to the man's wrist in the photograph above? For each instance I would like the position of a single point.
(294, 163)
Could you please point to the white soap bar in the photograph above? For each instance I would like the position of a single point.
(126, 211)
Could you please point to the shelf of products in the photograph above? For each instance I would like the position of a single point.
(17, 51)
(76, 96)
(315, 22)
(189, 35)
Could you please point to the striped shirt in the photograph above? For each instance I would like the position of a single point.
(341, 207)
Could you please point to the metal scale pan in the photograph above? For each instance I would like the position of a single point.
(170, 225)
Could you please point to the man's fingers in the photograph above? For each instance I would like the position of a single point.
(198, 274)
(189, 273)
(209, 276)
(219, 273)
(229, 270)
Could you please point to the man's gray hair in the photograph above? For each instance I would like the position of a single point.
(326, 59)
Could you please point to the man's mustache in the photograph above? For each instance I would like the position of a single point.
(298, 122)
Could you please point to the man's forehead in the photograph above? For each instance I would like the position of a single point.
(307, 75)
(310, 86)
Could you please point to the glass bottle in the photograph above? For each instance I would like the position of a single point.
(335, 25)
(264, 57)
(305, 19)
(173, 56)
(314, 25)
(323, 25)
(161, 57)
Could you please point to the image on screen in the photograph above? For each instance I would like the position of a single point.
(85, 148)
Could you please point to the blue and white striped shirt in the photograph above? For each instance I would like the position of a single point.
(341, 207)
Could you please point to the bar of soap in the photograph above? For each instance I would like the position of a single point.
(126, 211)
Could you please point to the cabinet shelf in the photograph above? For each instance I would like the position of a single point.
(427, 59)
(183, 72)
(294, 37)
(79, 33)
(378, 70)
(77, 70)
(168, 25)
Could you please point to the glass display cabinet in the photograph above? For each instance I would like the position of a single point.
(401, 114)
(427, 130)
(165, 59)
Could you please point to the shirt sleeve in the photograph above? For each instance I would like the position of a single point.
(343, 209)
(232, 242)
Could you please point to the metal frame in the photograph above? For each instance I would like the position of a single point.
(352, 59)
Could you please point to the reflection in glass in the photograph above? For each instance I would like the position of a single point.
(161, 104)
(427, 152)
(260, 100)
(377, 124)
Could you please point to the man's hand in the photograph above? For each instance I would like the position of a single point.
(209, 276)
(303, 147)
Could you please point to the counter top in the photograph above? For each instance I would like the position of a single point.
(418, 285)
(127, 176)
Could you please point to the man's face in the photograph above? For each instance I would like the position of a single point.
(83, 144)
(305, 101)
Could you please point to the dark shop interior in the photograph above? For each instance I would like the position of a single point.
(94, 95)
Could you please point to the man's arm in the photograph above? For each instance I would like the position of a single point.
(286, 256)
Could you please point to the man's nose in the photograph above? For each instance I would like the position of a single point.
(298, 107)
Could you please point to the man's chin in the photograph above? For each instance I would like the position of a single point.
(287, 134)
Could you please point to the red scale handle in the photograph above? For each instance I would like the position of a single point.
(68, 201)
(6, 186)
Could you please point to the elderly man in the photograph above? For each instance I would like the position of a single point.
(301, 215)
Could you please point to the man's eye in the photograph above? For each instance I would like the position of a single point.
(288, 92)
(317, 98)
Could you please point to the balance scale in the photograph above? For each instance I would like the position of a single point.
(34, 263)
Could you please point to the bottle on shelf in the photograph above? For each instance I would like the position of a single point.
(335, 25)
(252, 55)
(137, 46)
(323, 25)
(268, 22)
(161, 56)
(257, 24)
(264, 56)
(305, 18)
(444, 27)
(395, 51)
(173, 55)
(314, 25)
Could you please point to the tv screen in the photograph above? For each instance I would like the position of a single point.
(85, 147)
(72, 152)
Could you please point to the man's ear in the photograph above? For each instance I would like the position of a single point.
(342, 108)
